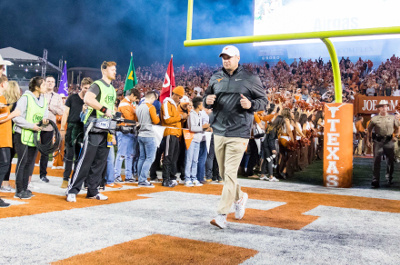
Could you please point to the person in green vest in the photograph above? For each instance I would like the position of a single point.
(100, 100)
(33, 108)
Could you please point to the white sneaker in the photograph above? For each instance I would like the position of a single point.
(7, 189)
(189, 184)
(197, 183)
(99, 197)
(240, 206)
(264, 178)
(174, 182)
(219, 221)
(273, 179)
(71, 197)
(31, 187)
(182, 182)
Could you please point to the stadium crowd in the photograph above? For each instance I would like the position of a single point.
(286, 137)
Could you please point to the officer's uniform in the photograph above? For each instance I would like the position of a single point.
(93, 159)
(384, 127)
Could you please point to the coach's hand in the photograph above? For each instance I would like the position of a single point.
(210, 99)
(244, 102)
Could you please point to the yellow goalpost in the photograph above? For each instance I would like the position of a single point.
(323, 35)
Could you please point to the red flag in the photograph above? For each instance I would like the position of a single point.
(169, 82)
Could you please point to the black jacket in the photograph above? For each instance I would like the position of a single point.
(228, 118)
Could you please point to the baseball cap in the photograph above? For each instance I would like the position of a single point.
(184, 100)
(230, 50)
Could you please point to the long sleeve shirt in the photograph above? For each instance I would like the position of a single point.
(195, 124)
(147, 115)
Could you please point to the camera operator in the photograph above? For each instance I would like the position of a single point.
(100, 98)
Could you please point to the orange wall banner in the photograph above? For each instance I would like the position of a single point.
(338, 145)
(188, 137)
(367, 105)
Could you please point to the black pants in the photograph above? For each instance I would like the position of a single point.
(12, 154)
(45, 138)
(383, 148)
(267, 155)
(73, 140)
(156, 164)
(182, 157)
(91, 164)
(4, 162)
(253, 159)
(171, 155)
(26, 162)
(212, 170)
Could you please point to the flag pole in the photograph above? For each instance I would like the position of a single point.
(170, 84)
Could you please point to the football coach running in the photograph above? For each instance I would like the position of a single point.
(100, 100)
(234, 94)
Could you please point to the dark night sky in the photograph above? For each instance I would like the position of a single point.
(88, 32)
(85, 32)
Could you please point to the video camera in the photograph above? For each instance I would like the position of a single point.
(101, 125)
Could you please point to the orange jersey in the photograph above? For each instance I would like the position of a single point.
(127, 109)
(5, 128)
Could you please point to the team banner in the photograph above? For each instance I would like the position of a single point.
(188, 136)
(338, 145)
(63, 87)
(169, 82)
(159, 133)
(208, 140)
(131, 79)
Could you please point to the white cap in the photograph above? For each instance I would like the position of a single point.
(4, 62)
(230, 50)
(184, 99)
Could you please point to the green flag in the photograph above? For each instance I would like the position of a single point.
(131, 79)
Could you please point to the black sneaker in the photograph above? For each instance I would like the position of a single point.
(30, 193)
(375, 184)
(23, 195)
(44, 179)
(168, 183)
(131, 180)
(3, 204)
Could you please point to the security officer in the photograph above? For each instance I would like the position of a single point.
(385, 125)
(101, 99)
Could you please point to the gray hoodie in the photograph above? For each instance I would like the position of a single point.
(195, 125)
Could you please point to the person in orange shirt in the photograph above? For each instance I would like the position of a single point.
(127, 141)
(170, 117)
(5, 135)
(183, 108)
(360, 135)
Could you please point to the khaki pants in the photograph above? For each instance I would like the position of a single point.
(229, 152)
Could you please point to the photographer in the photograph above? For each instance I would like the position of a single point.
(33, 108)
(100, 98)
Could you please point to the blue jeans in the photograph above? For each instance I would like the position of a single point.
(110, 178)
(126, 151)
(148, 148)
(201, 168)
(192, 158)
